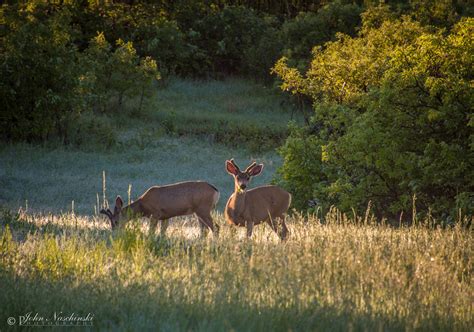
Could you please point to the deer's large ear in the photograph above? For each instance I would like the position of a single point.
(252, 165)
(255, 170)
(118, 203)
(107, 212)
(231, 167)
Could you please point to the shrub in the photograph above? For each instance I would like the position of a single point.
(164, 42)
(116, 75)
(151, 33)
(309, 29)
(39, 75)
(392, 120)
(440, 13)
(302, 170)
(46, 83)
(260, 56)
(225, 35)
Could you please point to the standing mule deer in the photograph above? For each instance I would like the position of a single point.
(164, 202)
(252, 207)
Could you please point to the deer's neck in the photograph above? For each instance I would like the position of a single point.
(239, 203)
(133, 209)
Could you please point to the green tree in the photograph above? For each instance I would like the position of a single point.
(39, 75)
(392, 119)
(309, 29)
(115, 75)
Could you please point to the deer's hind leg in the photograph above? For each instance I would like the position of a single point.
(203, 228)
(284, 229)
(164, 226)
(206, 223)
(279, 226)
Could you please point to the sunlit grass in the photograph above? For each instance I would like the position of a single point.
(333, 276)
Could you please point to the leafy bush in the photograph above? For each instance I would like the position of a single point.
(440, 13)
(151, 33)
(46, 83)
(309, 29)
(226, 34)
(259, 57)
(163, 41)
(39, 76)
(116, 75)
(302, 170)
(392, 121)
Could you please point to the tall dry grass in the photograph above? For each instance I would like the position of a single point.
(336, 275)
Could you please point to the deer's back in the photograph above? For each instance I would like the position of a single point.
(179, 199)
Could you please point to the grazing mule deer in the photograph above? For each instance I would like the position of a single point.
(164, 202)
(254, 206)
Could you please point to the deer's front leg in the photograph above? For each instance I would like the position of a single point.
(203, 229)
(249, 224)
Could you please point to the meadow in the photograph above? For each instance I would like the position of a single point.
(336, 272)
(338, 275)
(51, 176)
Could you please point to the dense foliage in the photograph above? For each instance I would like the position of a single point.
(308, 29)
(62, 59)
(47, 82)
(39, 78)
(392, 120)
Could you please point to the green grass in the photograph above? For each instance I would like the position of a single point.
(337, 276)
(235, 112)
(233, 100)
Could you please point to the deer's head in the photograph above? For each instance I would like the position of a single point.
(115, 216)
(242, 179)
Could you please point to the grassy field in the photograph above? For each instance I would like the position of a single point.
(338, 276)
(233, 101)
(235, 112)
(58, 255)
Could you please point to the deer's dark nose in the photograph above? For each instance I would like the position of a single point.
(243, 186)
